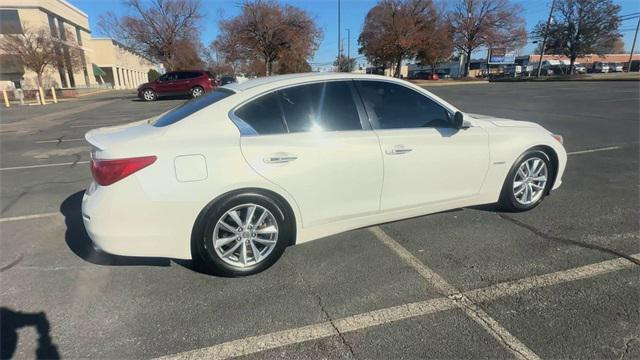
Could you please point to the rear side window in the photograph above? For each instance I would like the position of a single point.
(328, 106)
(393, 106)
(263, 115)
(192, 106)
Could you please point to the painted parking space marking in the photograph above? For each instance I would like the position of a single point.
(29, 217)
(254, 344)
(44, 165)
(502, 335)
(58, 141)
(588, 151)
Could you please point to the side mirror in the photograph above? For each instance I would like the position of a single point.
(459, 122)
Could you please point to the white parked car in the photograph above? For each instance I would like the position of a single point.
(234, 177)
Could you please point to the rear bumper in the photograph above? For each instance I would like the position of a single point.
(127, 223)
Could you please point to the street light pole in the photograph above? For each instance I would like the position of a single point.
(544, 38)
(339, 47)
(633, 47)
(348, 43)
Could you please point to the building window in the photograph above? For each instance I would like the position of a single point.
(78, 36)
(10, 22)
(52, 25)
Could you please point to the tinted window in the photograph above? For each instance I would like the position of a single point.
(187, 75)
(169, 77)
(192, 106)
(263, 115)
(393, 106)
(325, 106)
(10, 22)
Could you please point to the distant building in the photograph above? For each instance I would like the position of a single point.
(101, 57)
(118, 65)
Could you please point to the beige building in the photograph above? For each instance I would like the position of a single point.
(113, 64)
(119, 66)
(62, 19)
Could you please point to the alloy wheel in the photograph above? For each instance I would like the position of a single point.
(530, 181)
(149, 95)
(196, 92)
(245, 235)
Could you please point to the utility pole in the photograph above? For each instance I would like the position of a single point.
(339, 46)
(348, 43)
(633, 47)
(544, 38)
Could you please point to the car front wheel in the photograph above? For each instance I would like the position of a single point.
(243, 234)
(197, 91)
(528, 182)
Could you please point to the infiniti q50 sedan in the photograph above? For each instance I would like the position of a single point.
(234, 177)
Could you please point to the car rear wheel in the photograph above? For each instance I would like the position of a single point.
(528, 182)
(197, 91)
(149, 95)
(243, 234)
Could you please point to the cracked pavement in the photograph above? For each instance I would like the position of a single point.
(365, 301)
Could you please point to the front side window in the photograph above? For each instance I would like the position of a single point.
(327, 106)
(393, 106)
(263, 115)
(192, 106)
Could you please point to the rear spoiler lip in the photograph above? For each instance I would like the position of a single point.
(91, 140)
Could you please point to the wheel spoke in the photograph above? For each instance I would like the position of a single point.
(526, 164)
(530, 192)
(537, 186)
(517, 184)
(540, 178)
(254, 249)
(521, 173)
(228, 227)
(234, 215)
(233, 248)
(520, 191)
(250, 213)
(261, 218)
(264, 241)
(243, 253)
(224, 241)
(267, 230)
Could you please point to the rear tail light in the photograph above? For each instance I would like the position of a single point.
(558, 137)
(107, 172)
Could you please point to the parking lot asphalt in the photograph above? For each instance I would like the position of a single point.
(561, 281)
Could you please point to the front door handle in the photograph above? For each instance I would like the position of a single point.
(279, 158)
(398, 150)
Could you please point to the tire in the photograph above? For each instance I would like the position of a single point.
(523, 190)
(196, 91)
(149, 95)
(222, 258)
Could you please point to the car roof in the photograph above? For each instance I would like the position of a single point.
(292, 79)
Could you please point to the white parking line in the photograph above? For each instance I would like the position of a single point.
(254, 344)
(29, 217)
(594, 150)
(502, 335)
(58, 141)
(44, 165)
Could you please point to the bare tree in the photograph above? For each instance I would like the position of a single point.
(438, 46)
(37, 50)
(268, 30)
(395, 29)
(490, 23)
(344, 63)
(617, 46)
(581, 27)
(161, 29)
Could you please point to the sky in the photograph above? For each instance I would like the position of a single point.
(353, 12)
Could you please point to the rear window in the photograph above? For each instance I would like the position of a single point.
(192, 106)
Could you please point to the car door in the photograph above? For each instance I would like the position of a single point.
(310, 141)
(166, 83)
(426, 160)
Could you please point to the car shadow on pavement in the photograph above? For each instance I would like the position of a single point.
(164, 98)
(79, 242)
(11, 321)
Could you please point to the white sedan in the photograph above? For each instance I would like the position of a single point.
(234, 177)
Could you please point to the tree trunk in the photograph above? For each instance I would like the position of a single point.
(467, 63)
(398, 66)
(572, 61)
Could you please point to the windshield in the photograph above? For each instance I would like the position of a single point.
(192, 106)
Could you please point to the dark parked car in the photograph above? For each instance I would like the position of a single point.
(227, 79)
(194, 83)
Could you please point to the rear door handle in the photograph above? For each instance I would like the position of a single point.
(279, 158)
(398, 150)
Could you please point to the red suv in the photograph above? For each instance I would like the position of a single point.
(194, 83)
